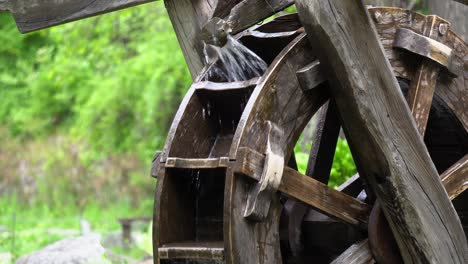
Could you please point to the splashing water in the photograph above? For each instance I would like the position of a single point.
(233, 62)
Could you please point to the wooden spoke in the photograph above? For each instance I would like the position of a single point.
(422, 87)
(455, 178)
(307, 190)
(324, 143)
(358, 253)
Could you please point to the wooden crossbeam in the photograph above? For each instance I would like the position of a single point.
(308, 190)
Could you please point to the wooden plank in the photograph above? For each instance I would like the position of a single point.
(32, 15)
(382, 135)
(310, 191)
(422, 87)
(455, 178)
(210, 163)
(429, 48)
(324, 144)
(358, 253)
(192, 250)
(219, 87)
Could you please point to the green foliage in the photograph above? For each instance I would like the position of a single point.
(114, 81)
(343, 164)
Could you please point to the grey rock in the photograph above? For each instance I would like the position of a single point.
(80, 250)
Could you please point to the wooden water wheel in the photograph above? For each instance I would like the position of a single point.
(228, 187)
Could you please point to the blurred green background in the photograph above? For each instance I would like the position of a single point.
(84, 106)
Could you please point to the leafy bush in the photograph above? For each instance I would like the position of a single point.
(343, 164)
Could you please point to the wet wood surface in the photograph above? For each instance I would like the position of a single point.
(192, 250)
(392, 158)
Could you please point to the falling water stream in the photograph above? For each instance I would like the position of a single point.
(233, 62)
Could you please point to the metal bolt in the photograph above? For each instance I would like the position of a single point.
(443, 28)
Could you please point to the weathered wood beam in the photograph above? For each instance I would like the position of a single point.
(310, 191)
(33, 15)
(455, 178)
(382, 134)
(358, 253)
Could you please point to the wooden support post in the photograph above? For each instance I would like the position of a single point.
(382, 134)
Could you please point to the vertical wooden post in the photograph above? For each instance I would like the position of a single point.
(188, 18)
(383, 136)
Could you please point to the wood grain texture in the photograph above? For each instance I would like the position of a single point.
(455, 179)
(382, 135)
(308, 190)
(358, 253)
(33, 15)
